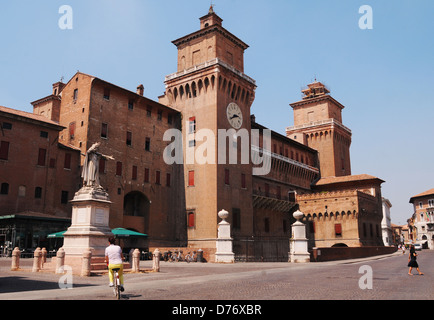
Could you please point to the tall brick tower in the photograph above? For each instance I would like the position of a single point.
(318, 124)
(212, 92)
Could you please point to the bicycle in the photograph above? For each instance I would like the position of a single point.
(116, 284)
(191, 257)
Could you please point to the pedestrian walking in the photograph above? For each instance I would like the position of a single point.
(412, 263)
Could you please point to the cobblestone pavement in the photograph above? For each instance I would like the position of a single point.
(338, 280)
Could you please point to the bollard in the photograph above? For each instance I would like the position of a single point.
(36, 260)
(60, 260)
(43, 257)
(85, 268)
(16, 259)
(156, 261)
(136, 260)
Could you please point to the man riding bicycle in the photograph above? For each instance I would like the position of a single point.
(114, 259)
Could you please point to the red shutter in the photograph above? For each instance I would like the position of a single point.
(168, 180)
(191, 219)
(338, 228)
(227, 176)
(134, 176)
(243, 181)
(119, 168)
(191, 178)
(157, 177)
(67, 164)
(4, 150)
(41, 157)
(146, 175)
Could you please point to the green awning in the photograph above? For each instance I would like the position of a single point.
(56, 235)
(118, 232)
(125, 233)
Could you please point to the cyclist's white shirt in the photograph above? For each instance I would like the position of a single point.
(113, 253)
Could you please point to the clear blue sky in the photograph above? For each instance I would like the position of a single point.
(384, 76)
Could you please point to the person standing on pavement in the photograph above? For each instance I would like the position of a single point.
(412, 263)
(114, 260)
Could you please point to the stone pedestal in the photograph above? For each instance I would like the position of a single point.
(224, 252)
(299, 243)
(89, 229)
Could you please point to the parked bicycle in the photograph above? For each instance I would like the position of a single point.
(191, 257)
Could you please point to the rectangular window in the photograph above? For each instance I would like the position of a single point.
(104, 130)
(64, 197)
(4, 188)
(129, 138)
(43, 134)
(38, 193)
(41, 156)
(227, 177)
(130, 104)
(190, 219)
(236, 218)
(192, 125)
(291, 196)
(192, 143)
(267, 190)
(157, 177)
(338, 229)
(146, 179)
(72, 130)
(119, 168)
(191, 178)
(168, 180)
(4, 150)
(7, 126)
(52, 162)
(149, 112)
(243, 181)
(75, 96)
(169, 119)
(106, 95)
(134, 174)
(67, 162)
(160, 115)
(430, 203)
(148, 144)
(266, 224)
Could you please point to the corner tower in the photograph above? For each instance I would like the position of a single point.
(318, 124)
(208, 87)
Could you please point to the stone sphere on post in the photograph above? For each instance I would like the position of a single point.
(223, 214)
(298, 215)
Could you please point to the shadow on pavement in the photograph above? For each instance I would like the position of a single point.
(17, 284)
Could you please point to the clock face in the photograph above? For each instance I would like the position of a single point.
(235, 116)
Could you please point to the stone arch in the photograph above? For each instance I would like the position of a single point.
(175, 93)
(212, 81)
(200, 86)
(137, 208)
(187, 91)
(193, 89)
(181, 92)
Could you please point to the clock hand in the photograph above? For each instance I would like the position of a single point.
(235, 116)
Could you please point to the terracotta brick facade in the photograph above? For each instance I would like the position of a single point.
(177, 204)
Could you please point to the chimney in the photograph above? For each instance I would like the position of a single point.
(140, 90)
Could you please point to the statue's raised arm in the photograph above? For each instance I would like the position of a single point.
(90, 173)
